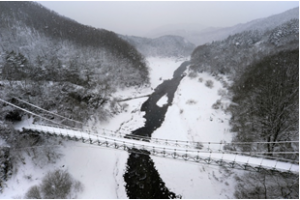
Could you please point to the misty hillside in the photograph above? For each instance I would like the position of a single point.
(73, 67)
(232, 55)
(200, 34)
(164, 46)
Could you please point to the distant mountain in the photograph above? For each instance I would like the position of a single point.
(206, 36)
(61, 64)
(183, 30)
(165, 46)
(199, 34)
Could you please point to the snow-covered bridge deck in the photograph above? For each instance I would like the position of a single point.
(182, 150)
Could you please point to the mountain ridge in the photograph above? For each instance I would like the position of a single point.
(208, 34)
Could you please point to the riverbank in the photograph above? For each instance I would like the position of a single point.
(197, 114)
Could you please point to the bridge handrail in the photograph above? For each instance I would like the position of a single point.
(184, 142)
(152, 138)
(149, 146)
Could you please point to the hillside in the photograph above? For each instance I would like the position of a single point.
(232, 55)
(164, 46)
(263, 66)
(72, 66)
(62, 66)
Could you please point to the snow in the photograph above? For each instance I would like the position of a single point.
(195, 181)
(130, 119)
(100, 170)
(193, 114)
(162, 69)
(162, 101)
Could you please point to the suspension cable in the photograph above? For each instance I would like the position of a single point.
(136, 136)
(47, 111)
(28, 111)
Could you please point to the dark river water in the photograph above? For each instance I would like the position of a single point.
(142, 179)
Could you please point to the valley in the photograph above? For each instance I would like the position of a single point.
(235, 88)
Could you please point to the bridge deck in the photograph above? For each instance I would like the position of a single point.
(169, 150)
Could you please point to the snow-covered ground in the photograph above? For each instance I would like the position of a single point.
(191, 117)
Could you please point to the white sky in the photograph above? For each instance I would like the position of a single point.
(140, 17)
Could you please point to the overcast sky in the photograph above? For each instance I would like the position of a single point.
(139, 18)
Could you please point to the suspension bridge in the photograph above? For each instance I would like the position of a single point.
(200, 152)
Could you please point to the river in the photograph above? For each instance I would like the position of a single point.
(142, 179)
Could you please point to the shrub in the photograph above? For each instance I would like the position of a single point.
(217, 105)
(124, 107)
(221, 92)
(33, 193)
(200, 80)
(55, 185)
(224, 83)
(191, 102)
(192, 74)
(209, 83)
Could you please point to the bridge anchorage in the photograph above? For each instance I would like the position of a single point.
(209, 153)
